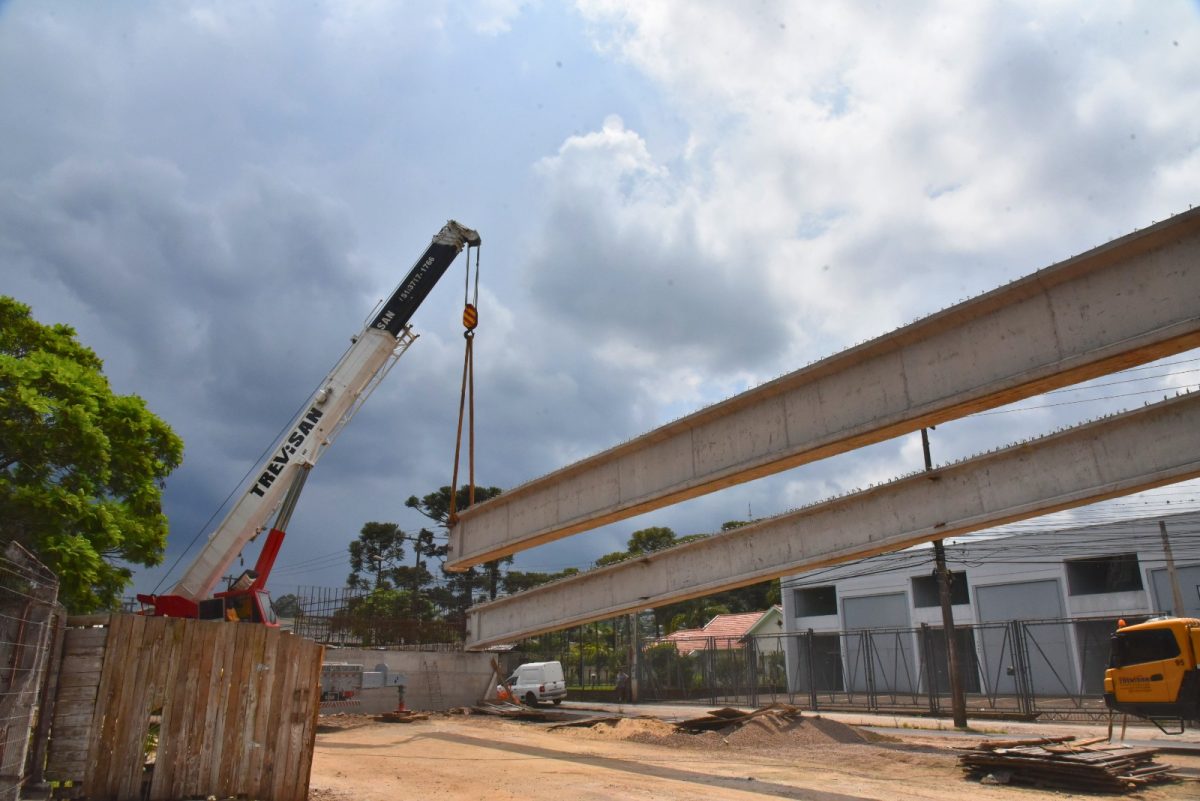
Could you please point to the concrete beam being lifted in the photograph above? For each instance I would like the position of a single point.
(1122, 304)
(1115, 456)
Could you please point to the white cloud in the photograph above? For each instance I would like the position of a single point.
(844, 169)
(495, 16)
(625, 260)
(907, 156)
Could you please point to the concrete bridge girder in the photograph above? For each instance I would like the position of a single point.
(1122, 304)
(1119, 455)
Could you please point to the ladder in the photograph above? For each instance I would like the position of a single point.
(433, 685)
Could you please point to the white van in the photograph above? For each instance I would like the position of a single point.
(538, 681)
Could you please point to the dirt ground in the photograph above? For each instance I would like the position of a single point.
(475, 757)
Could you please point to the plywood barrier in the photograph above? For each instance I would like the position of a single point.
(165, 708)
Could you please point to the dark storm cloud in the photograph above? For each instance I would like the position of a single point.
(207, 299)
(215, 195)
(224, 315)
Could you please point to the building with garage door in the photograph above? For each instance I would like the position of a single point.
(859, 626)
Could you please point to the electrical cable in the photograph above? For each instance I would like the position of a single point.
(1185, 387)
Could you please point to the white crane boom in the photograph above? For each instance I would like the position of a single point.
(273, 490)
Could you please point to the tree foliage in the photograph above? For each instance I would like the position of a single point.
(375, 556)
(475, 583)
(287, 606)
(649, 540)
(81, 467)
(436, 505)
(698, 611)
(419, 602)
(643, 541)
(412, 595)
(521, 580)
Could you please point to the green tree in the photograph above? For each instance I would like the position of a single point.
(462, 586)
(521, 580)
(648, 540)
(286, 605)
(388, 616)
(375, 555)
(424, 549)
(643, 541)
(436, 505)
(81, 467)
(612, 558)
(695, 613)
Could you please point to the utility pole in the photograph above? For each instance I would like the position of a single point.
(958, 703)
(1176, 593)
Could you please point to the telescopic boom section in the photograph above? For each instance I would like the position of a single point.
(340, 394)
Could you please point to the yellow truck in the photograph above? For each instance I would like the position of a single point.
(1154, 671)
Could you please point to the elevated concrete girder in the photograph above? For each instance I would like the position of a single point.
(1121, 304)
(1115, 456)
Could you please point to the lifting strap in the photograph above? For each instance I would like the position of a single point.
(466, 398)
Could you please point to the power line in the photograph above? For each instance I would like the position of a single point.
(1184, 388)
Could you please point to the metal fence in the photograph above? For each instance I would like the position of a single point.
(30, 620)
(1044, 669)
(349, 617)
(591, 655)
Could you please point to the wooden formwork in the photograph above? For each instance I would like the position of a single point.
(164, 708)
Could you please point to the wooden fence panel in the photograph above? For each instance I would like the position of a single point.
(52, 670)
(75, 702)
(233, 707)
(176, 712)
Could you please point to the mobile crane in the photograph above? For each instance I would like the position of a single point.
(275, 486)
(1154, 671)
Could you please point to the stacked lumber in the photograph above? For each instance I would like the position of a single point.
(587, 723)
(517, 712)
(717, 719)
(1060, 762)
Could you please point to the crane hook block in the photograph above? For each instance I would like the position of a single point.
(470, 317)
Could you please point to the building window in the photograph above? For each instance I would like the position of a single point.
(816, 601)
(1100, 574)
(1139, 647)
(925, 590)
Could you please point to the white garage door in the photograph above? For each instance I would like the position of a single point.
(881, 659)
(1047, 645)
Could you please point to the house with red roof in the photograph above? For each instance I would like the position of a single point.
(730, 632)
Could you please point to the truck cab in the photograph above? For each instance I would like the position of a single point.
(1154, 670)
(244, 606)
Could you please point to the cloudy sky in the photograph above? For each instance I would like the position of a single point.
(678, 200)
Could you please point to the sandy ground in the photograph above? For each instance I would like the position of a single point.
(459, 758)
